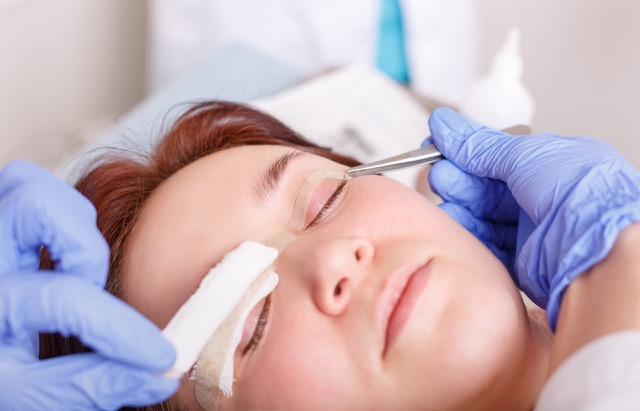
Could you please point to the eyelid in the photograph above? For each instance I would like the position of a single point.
(328, 205)
(260, 325)
(248, 328)
(306, 191)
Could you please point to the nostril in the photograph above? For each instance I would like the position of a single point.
(338, 290)
(362, 253)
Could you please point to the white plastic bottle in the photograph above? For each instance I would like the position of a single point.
(500, 99)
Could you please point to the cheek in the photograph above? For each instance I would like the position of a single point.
(465, 313)
(302, 360)
(390, 208)
(411, 214)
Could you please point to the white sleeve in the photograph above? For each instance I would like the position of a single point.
(603, 375)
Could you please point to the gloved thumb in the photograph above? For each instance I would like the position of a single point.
(475, 149)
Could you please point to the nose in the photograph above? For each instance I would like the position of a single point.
(329, 269)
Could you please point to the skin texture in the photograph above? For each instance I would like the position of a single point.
(468, 342)
(601, 301)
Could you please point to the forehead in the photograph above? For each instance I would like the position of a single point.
(192, 220)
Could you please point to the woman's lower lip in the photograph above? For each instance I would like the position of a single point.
(406, 304)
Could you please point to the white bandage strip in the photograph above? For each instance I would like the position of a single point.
(215, 366)
(215, 299)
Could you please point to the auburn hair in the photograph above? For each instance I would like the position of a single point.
(119, 184)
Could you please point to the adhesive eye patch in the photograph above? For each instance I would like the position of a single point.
(210, 316)
(307, 189)
(216, 297)
(214, 369)
(213, 372)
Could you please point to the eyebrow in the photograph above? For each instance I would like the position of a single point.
(269, 180)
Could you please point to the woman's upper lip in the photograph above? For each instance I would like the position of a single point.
(392, 289)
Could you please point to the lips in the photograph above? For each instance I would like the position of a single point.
(398, 300)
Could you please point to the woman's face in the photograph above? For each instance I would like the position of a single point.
(384, 302)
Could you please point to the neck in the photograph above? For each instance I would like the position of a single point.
(521, 368)
(533, 368)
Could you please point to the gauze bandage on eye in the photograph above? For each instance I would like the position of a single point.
(303, 198)
(213, 372)
(220, 294)
(214, 369)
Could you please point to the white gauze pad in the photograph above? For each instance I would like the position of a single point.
(215, 299)
(215, 366)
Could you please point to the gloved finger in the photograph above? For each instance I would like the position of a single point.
(16, 172)
(36, 209)
(427, 141)
(81, 382)
(16, 351)
(502, 235)
(484, 197)
(38, 302)
(481, 151)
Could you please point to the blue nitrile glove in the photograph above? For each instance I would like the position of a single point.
(38, 209)
(578, 192)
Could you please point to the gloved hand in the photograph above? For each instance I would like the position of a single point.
(38, 209)
(578, 193)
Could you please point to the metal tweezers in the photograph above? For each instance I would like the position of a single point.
(424, 155)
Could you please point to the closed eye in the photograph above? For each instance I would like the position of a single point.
(260, 326)
(328, 204)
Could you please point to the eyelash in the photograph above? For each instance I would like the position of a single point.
(262, 322)
(327, 206)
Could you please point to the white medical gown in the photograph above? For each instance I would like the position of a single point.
(604, 375)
